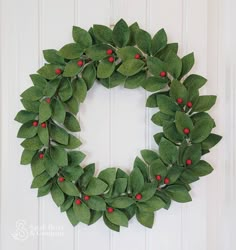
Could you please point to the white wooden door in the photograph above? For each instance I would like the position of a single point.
(116, 125)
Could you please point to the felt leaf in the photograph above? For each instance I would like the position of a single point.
(42, 191)
(51, 87)
(133, 29)
(95, 187)
(48, 71)
(202, 168)
(51, 56)
(144, 41)
(58, 111)
(153, 204)
(131, 67)
(71, 123)
(75, 157)
(82, 37)
(73, 142)
(68, 188)
(120, 33)
(57, 195)
(155, 66)
(159, 41)
(38, 81)
(122, 202)
(204, 103)
(187, 64)
(154, 84)
(118, 218)
(193, 153)
(160, 118)
(174, 173)
(178, 193)
(158, 168)
(58, 134)
(45, 111)
(145, 218)
(80, 89)
(72, 69)
(173, 64)
(43, 135)
(171, 133)
(33, 93)
(31, 106)
(95, 216)
(27, 130)
(37, 165)
(135, 81)
(138, 163)
(71, 51)
(110, 224)
(40, 180)
(167, 105)
(65, 90)
(183, 121)
(82, 212)
(128, 52)
(163, 53)
(149, 156)
(136, 181)
(194, 81)
(72, 217)
(50, 166)
(27, 156)
(119, 186)
(114, 80)
(210, 141)
(59, 155)
(177, 90)
(97, 52)
(24, 116)
(89, 75)
(168, 151)
(105, 68)
(72, 105)
(96, 203)
(108, 175)
(102, 33)
(32, 143)
(148, 191)
(87, 175)
(67, 203)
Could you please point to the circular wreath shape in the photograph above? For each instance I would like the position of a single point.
(125, 55)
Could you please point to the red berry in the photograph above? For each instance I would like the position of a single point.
(58, 71)
(43, 125)
(48, 100)
(138, 197)
(179, 100)
(163, 74)
(78, 202)
(35, 123)
(86, 197)
(80, 63)
(137, 56)
(111, 59)
(188, 162)
(189, 104)
(166, 180)
(158, 177)
(109, 51)
(61, 179)
(186, 131)
(41, 155)
(110, 209)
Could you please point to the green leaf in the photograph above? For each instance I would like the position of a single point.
(67, 203)
(88, 174)
(59, 155)
(128, 52)
(202, 130)
(149, 156)
(72, 105)
(79, 89)
(105, 68)
(37, 165)
(153, 204)
(193, 153)
(73, 142)
(71, 123)
(178, 193)
(82, 37)
(71, 51)
(119, 186)
(32, 143)
(159, 41)
(135, 81)
(202, 168)
(110, 225)
(131, 67)
(24, 116)
(145, 218)
(167, 105)
(121, 33)
(50, 166)
(183, 121)
(144, 41)
(148, 191)
(31, 106)
(48, 71)
(51, 87)
(58, 111)
(33, 93)
(154, 84)
(108, 175)
(194, 81)
(168, 151)
(75, 157)
(158, 168)
(102, 33)
(45, 111)
(173, 64)
(174, 173)
(204, 103)
(65, 91)
(72, 217)
(68, 188)
(40, 180)
(72, 69)
(122, 202)
(43, 135)
(134, 28)
(27, 156)
(27, 130)
(98, 51)
(38, 81)
(211, 141)
(82, 212)
(118, 218)
(160, 118)
(42, 191)
(57, 195)
(138, 163)
(72, 173)
(136, 181)
(171, 132)
(51, 56)
(162, 54)
(89, 75)
(95, 216)
(96, 203)
(155, 66)
(58, 134)
(187, 64)
(177, 90)
(95, 187)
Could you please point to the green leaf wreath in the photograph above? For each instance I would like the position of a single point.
(130, 56)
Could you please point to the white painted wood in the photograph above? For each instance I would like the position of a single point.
(116, 124)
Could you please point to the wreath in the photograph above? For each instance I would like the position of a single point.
(125, 55)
